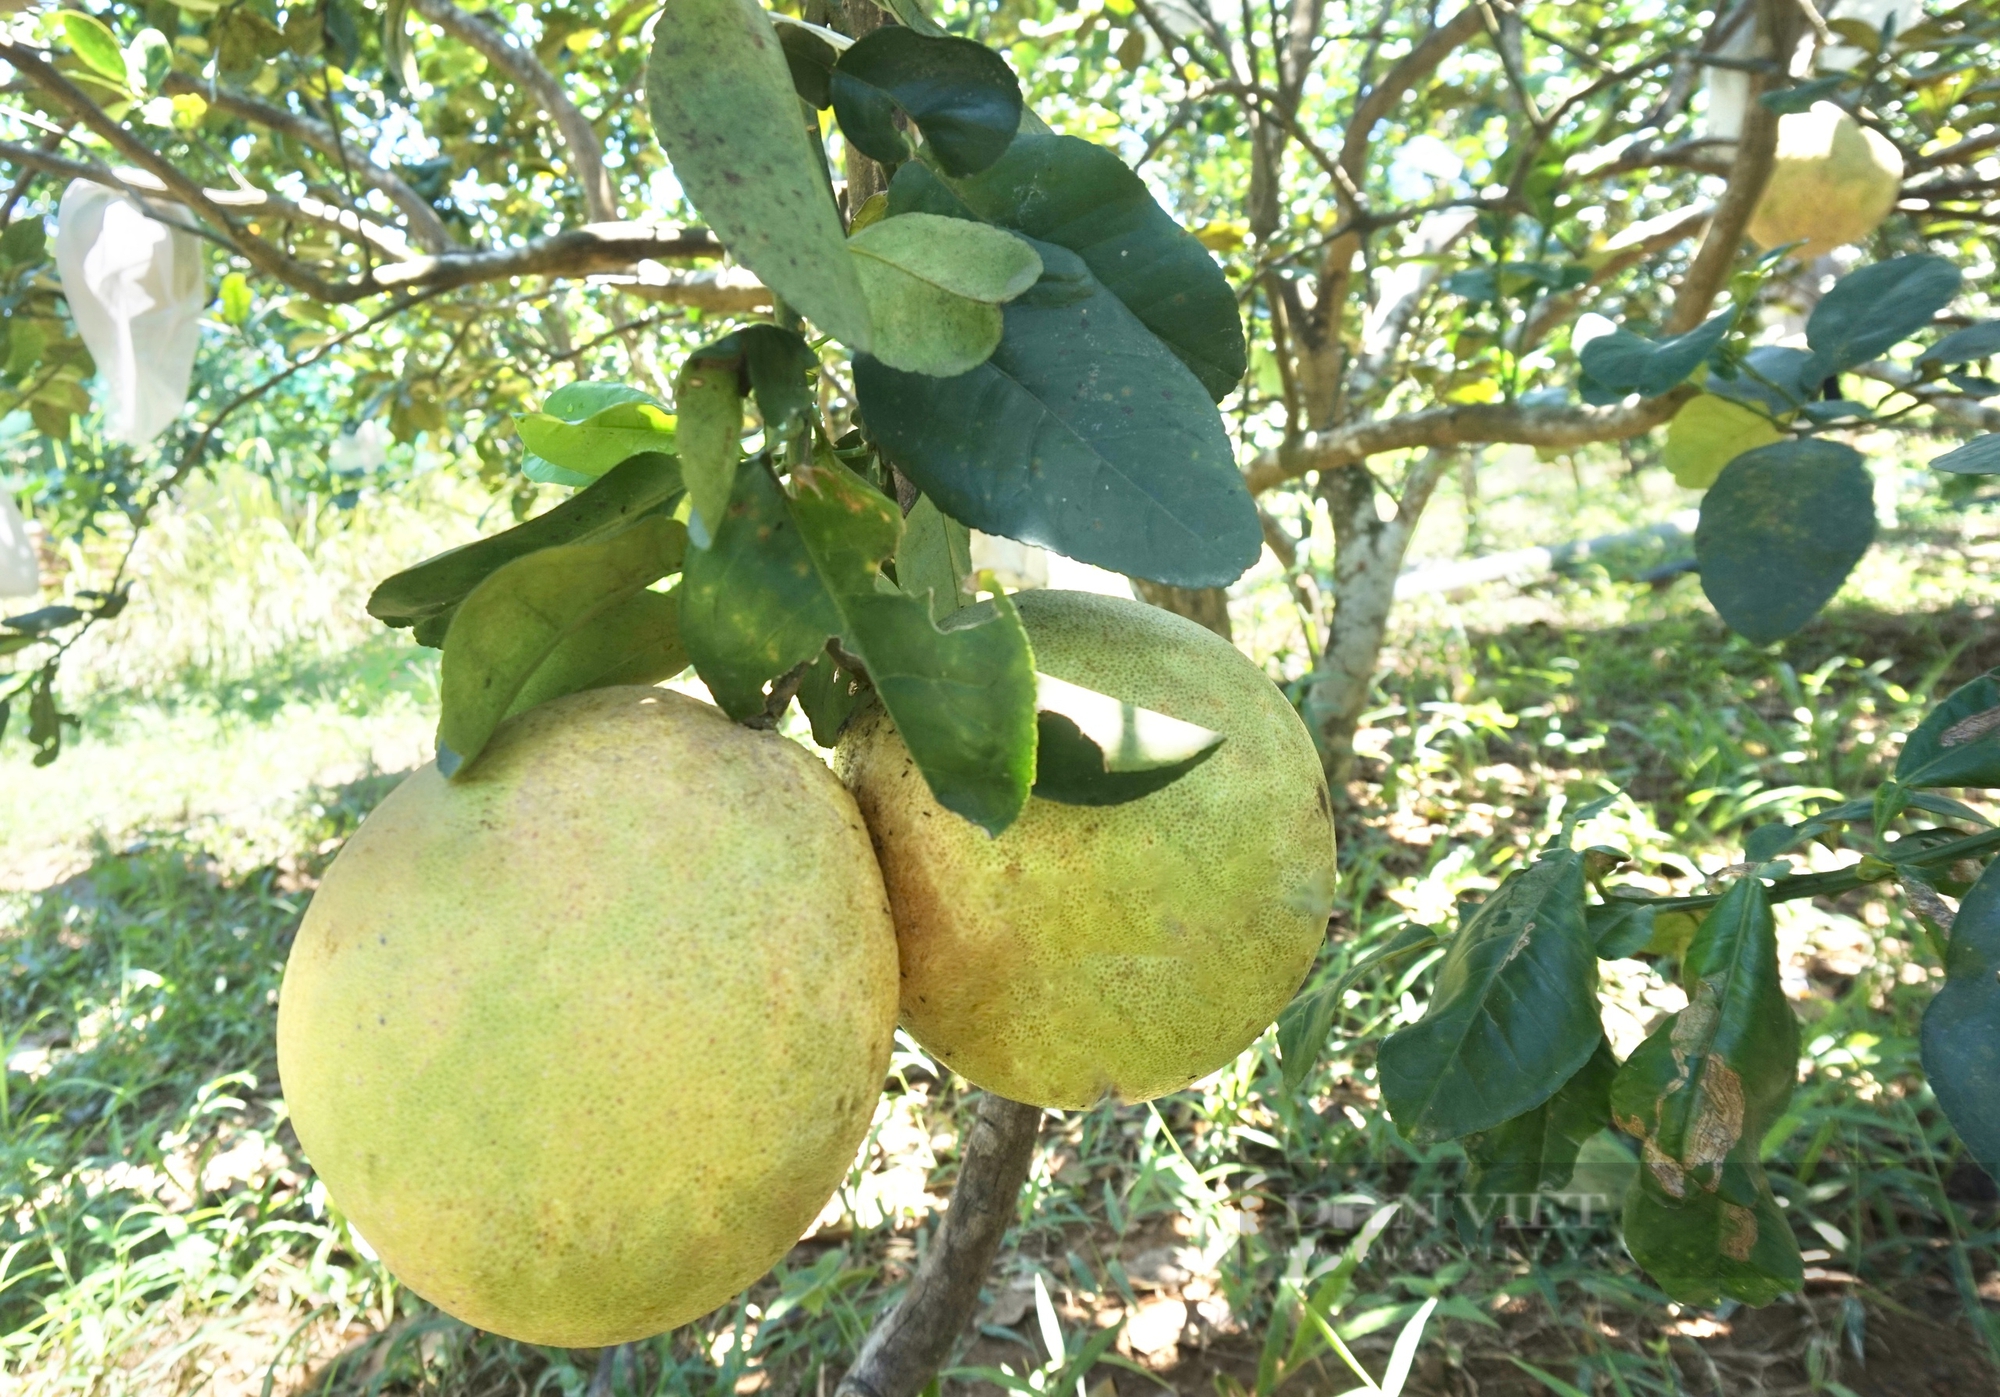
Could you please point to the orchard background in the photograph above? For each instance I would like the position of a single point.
(423, 222)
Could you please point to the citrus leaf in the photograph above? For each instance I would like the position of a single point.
(1066, 191)
(962, 698)
(1306, 1021)
(752, 606)
(635, 642)
(1514, 1014)
(934, 558)
(593, 445)
(512, 622)
(1770, 377)
(1092, 749)
(1961, 1033)
(1701, 1092)
(721, 99)
(1629, 363)
(1874, 307)
(934, 288)
(708, 394)
(829, 693)
(1708, 433)
(1974, 342)
(1081, 434)
(1980, 456)
(430, 590)
(1780, 530)
(94, 44)
(1958, 742)
(1619, 927)
(810, 60)
(1536, 1150)
(961, 95)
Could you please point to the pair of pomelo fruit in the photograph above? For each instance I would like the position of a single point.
(583, 1041)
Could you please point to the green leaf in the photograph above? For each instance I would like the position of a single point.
(1619, 927)
(1763, 845)
(962, 96)
(1701, 1092)
(589, 445)
(810, 60)
(1974, 342)
(1874, 307)
(1066, 191)
(1081, 434)
(962, 698)
(723, 108)
(1092, 749)
(1629, 363)
(1708, 433)
(934, 558)
(829, 694)
(1303, 1027)
(1961, 1034)
(1771, 378)
(1980, 456)
(1958, 742)
(1514, 1014)
(635, 642)
(94, 44)
(752, 605)
(1780, 530)
(43, 619)
(775, 364)
(25, 242)
(516, 619)
(1800, 96)
(1537, 1149)
(935, 287)
(428, 592)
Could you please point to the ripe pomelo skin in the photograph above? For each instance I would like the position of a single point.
(1832, 183)
(1123, 950)
(583, 1041)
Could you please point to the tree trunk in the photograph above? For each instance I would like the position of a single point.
(1206, 606)
(911, 1342)
(1368, 555)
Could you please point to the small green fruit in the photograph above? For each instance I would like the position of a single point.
(1123, 950)
(582, 1041)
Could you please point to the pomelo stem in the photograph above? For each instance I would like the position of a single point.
(911, 1342)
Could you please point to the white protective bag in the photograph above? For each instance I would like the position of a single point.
(134, 285)
(20, 570)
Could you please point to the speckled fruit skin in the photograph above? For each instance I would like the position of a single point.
(583, 1042)
(1833, 183)
(1123, 950)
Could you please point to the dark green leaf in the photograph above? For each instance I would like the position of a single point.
(962, 699)
(429, 591)
(1092, 749)
(1513, 1016)
(1536, 1150)
(1768, 843)
(1303, 1027)
(514, 621)
(1877, 306)
(1066, 191)
(1981, 341)
(1081, 434)
(1632, 363)
(1701, 1091)
(1619, 927)
(635, 642)
(934, 558)
(1980, 456)
(810, 59)
(1780, 530)
(752, 605)
(829, 694)
(45, 718)
(1799, 97)
(720, 94)
(1771, 378)
(1958, 742)
(962, 96)
(1961, 1036)
(43, 619)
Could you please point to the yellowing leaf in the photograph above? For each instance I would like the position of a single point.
(1710, 432)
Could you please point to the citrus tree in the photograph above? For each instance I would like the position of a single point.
(976, 323)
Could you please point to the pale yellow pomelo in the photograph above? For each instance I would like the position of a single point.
(1834, 182)
(1123, 950)
(582, 1042)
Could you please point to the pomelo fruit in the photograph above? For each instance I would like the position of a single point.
(583, 1041)
(1834, 182)
(1122, 950)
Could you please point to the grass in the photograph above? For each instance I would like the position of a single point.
(161, 1233)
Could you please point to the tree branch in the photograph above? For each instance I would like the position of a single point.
(1462, 425)
(426, 229)
(910, 1343)
(579, 138)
